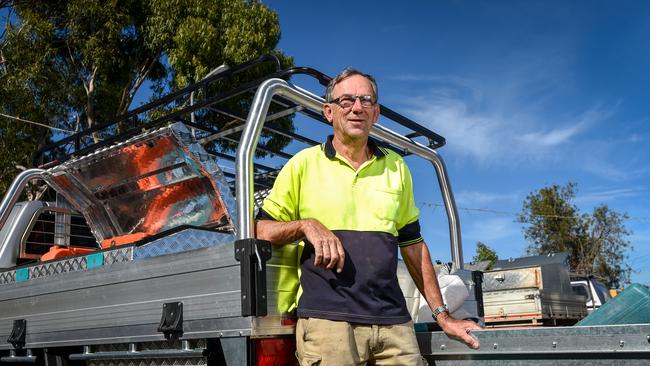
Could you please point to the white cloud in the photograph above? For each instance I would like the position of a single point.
(601, 163)
(474, 199)
(496, 128)
(553, 137)
(609, 195)
(491, 230)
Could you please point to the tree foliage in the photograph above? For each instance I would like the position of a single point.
(596, 242)
(485, 253)
(73, 64)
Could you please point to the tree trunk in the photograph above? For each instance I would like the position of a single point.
(90, 104)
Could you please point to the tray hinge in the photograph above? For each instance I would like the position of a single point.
(18, 333)
(171, 322)
(253, 254)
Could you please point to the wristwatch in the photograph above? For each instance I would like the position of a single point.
(440, 309)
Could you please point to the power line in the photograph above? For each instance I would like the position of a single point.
(37, 123)
(641, 259)
(509, 213)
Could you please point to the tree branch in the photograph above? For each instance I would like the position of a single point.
(142, 75)
(90, 102)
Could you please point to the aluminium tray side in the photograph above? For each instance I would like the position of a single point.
(579, 346)
(123, 302)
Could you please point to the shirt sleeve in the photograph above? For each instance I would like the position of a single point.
(283, 201)
(408, 224)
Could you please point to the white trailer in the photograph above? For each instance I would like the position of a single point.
(531, 291)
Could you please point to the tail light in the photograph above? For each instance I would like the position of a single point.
(280, 351)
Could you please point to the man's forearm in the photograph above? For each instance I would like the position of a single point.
(278, 232)
(328, 250)
(418, 261)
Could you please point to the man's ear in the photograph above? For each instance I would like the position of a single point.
(377, 113)
(327, 112)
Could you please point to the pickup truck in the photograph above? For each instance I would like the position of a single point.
(595, 293)
(143, 250)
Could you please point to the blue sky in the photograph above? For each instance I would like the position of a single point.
(527, 93)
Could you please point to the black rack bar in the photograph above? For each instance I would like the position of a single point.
(161, 102)
(260, 148)
(249, 87)
(233, 158)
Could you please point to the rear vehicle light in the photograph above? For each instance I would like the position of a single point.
(276, 351)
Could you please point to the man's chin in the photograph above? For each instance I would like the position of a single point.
(357, 132)
(357, 137)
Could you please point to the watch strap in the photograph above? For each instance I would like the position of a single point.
(439, 310)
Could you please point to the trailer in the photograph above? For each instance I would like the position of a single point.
(531, 291)
(144, 251)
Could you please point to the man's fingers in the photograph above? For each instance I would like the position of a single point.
(328, 250)
(335, 254)
(461, 330)
(318, 253)
(471, 341)
(327, 254)
(339, 264)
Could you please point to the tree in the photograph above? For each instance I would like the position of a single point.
(73, 64)
(485, 253)
(596, 242)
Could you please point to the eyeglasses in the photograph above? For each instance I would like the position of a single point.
(347, 101)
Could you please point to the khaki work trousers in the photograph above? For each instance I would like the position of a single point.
(337, 343)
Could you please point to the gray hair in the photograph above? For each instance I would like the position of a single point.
(346, 73)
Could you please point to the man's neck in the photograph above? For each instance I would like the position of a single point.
(356, 151)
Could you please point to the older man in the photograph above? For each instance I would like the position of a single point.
(352, 203)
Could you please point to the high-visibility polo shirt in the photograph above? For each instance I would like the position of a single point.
(372, 212)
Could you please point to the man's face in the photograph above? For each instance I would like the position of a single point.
(352, 123)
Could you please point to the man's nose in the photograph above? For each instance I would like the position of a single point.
(357, 107)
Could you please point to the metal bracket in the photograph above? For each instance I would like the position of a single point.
(18, 333)
(14, 358)
(171, 322)
(253, 254)
(477, 277)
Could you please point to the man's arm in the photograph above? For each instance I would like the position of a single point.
(418, 262)
(328, 249)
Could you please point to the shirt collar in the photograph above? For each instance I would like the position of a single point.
(330, 152)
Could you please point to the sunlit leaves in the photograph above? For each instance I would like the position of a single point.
(597, 243)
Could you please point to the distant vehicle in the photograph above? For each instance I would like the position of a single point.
(594, 291)
(531, 291)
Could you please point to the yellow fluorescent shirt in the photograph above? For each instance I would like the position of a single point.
(377, 197)
(371, 210)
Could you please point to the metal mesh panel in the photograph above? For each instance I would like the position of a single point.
(195, 361)
(7, 277)
(63, 266)
(118, 255)
(182, 241)
(73, 264)
(150, 346)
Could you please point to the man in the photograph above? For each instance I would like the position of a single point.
(352, 203)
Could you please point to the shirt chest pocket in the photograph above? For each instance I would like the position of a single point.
(381, 204)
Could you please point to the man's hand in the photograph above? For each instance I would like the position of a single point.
(328, 248)
(459, 329)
